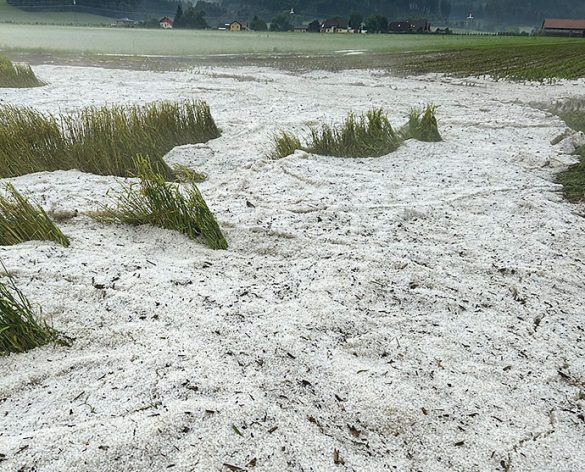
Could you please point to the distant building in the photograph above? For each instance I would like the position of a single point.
(300, 29)
(236, 26)
(420, 26)
(410, 26)
(336, 25)
(559, 27)
(165, 22)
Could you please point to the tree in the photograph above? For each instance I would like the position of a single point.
(433, 6)
(191, 18)
(376, 24)
(356, 20)
(383, 24)
(314, 26)
(178, 16)
(445, 8)
(280, 23)
(211, 9)
(258, 24)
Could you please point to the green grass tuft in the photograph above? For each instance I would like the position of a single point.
(162, 204)
(366, 135)
(572, 112)
(17, 75)
(101, 141)
(19, 329)
(422, 125)
(573, 179)
(285, 144)
(22, 221)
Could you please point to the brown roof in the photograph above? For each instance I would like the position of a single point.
(336, 22)
(563, 24)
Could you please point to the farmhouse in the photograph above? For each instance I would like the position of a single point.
(236, 26)
(560, 27)
(165, 22)
(420, 26)
(336, 25)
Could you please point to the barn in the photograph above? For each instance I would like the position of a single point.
(560, 27)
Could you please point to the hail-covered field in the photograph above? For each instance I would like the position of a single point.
(418, 311)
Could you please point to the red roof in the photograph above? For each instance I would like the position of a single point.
(564, 24)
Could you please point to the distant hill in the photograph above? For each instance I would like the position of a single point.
(135, 9)
(11, 14)
(485, 13)
(500, 11)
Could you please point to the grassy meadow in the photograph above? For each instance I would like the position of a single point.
(509, 57)
(136, 41)
(536, 60)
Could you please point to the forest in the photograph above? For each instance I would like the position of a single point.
(495, 12)
(498, 11)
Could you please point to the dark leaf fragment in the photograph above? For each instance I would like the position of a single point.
(337, 459)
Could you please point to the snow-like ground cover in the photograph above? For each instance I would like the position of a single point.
(417, 312)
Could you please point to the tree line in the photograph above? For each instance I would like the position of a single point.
(524, 12)
(502, 11)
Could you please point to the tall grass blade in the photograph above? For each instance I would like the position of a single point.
(22, 221)
(20, 331)
(285, 144)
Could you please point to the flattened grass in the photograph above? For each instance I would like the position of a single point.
(22, 221)
(366, 135)
(284, 145)
(101, 141)
(186, 174)
(31, 142)
(159, 203)
(17, 75)
(20, 330)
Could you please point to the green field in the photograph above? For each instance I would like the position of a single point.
(10, 14)
(136, 41)
(516, 58)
